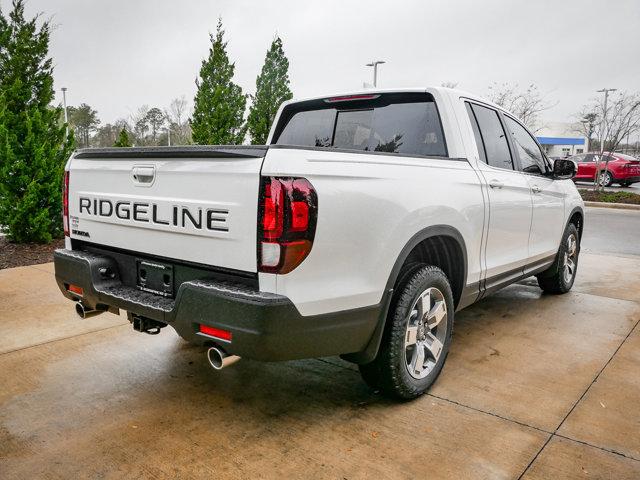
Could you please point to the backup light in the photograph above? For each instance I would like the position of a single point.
(270, 254)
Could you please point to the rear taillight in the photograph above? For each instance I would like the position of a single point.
(65, 203)
(287, 217)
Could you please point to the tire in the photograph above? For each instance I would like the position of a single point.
(559, 277)
(419, 326)
(606, 179)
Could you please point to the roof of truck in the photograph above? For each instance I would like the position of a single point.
(453, 92)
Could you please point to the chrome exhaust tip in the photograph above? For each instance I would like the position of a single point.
(84, 312)
(219, 359)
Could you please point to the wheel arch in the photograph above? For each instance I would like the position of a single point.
(577, 218)
(452, 243)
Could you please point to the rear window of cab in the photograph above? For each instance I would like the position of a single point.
(407, 124)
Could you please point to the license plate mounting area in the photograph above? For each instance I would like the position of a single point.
(155, 277)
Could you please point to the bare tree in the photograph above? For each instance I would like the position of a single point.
(178, 110)
(587, 123)
(178, 116)
(122, 123)
(620, 118)
(449, 84)
(526, 104)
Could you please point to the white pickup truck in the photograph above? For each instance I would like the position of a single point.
(363, 225)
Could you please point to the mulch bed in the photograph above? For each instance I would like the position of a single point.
(610, 197)
(18, 255)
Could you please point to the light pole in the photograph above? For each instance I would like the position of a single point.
(375, 64)
(604, 114)
(64, 103)
(603, 137)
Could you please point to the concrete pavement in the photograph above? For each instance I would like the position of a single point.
(535, 387)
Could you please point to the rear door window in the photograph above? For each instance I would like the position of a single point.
(476, 132)
(494, 139)
(393, 123)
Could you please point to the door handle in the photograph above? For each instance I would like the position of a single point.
(143, 174)
(496, 183)
(536, 189)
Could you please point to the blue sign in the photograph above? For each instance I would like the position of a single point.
(560, 141)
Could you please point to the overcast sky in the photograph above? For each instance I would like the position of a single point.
(119, 54)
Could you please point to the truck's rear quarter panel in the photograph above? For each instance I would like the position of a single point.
(369, 206)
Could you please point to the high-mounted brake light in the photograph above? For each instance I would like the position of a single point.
(65, 203)
(349, 98)
(287, 219)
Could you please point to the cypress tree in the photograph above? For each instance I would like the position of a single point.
(33, 143)
(123, 139)
(5, 34)
(272, 88)
(219, 103)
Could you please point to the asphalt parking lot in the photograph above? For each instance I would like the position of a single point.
(535, 386)
(633, 188)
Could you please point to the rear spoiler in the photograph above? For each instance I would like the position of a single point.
(189, 151)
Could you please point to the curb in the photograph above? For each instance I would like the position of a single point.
(621, 206)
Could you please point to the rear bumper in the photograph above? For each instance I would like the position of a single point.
(264, 326)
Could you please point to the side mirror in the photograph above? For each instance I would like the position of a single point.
(564, 169)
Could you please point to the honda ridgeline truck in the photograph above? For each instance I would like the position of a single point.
(366, 222)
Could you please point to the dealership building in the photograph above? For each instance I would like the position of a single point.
(559, 139)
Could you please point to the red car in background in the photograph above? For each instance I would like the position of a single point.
(622, 169)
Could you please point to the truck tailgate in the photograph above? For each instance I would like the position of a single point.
(197, 204)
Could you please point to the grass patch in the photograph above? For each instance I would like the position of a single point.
(610, 197)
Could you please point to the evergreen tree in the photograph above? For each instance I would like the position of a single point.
(219, 103)
(123, 139)
(272, 88)
(33, 144)
(5, 34)
(156, 119)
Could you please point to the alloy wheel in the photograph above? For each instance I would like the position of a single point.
(605, 179)
(570, 259)
(426, 332)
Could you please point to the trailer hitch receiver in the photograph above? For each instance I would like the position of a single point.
(144, 324)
